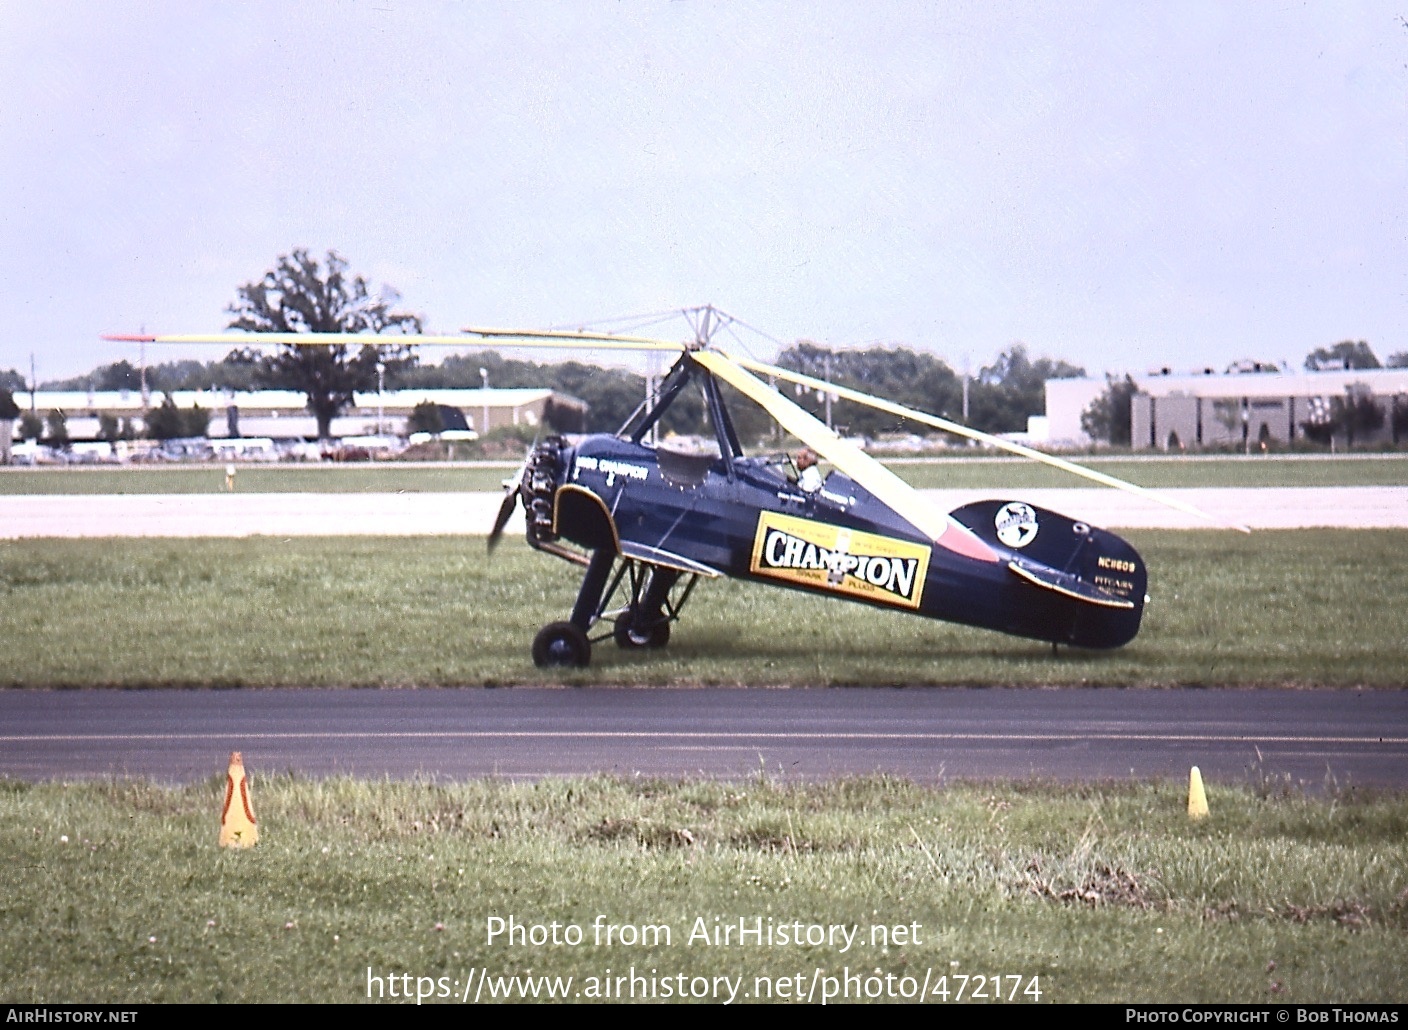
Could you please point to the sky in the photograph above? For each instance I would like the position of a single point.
(1122, 186)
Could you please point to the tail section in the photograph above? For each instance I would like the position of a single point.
(1080, 584)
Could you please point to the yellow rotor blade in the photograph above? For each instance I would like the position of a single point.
(889, 488)
(292, 339)
(566, 337)
(976, 434)
(481, 338)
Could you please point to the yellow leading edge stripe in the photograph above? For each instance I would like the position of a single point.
(470, 338)
(612, 341)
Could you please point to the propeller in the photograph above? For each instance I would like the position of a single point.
(511, 488)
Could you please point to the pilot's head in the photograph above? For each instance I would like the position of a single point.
(806, 458)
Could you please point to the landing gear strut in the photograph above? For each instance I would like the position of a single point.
(651, 596)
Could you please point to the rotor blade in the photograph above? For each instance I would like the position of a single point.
(889, 488)
(294, 339)
(976, 434)
(566, 337)
(472, 338)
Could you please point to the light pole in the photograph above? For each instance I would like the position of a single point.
(484, 378)
(965, 389)
(380, 386)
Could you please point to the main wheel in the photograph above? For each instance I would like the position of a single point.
(658, 636)
(561, 645)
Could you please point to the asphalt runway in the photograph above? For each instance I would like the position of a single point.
(1265, 738)
(434, 514)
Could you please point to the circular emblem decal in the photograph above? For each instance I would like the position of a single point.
(1016, 524)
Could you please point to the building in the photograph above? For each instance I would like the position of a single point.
(1210, 409)
(283, 414)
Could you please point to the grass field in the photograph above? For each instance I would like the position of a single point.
(1311, 607)
(197, 479)
(1089, 893)
(116, 892)
(955, 473)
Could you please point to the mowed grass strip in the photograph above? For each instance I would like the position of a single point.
(255, 479)
(1303, 607)
(1161, 473)
(998, 474)
(1101, 893)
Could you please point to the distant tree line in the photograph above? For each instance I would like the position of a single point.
(611, 394)
(165, 377)
(1001, 397)
(303, 294)
(164, 422)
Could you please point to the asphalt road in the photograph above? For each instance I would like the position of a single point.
(1307, 739)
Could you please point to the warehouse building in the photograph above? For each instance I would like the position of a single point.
(1239, 407)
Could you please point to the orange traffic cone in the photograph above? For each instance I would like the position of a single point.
(237, 826)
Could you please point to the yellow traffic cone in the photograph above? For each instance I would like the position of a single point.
(1197, 800)
(237, 826)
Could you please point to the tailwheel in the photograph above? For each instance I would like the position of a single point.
(561, 645)
(628, 639)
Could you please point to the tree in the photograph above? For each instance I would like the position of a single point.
(9, 411)
(1108, 416)
(1399, 360)
(168, 422)
(1012, 389)
(1398, 420)
(611, 394)
(164, 421)
(429, 417)
(31, 426)
(1346, 354)
(425, 418)
(184, 374)
(56, 435)
(302, 296)
(1357, 413)
(915, 379)
(12, 380)
(120, 375)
